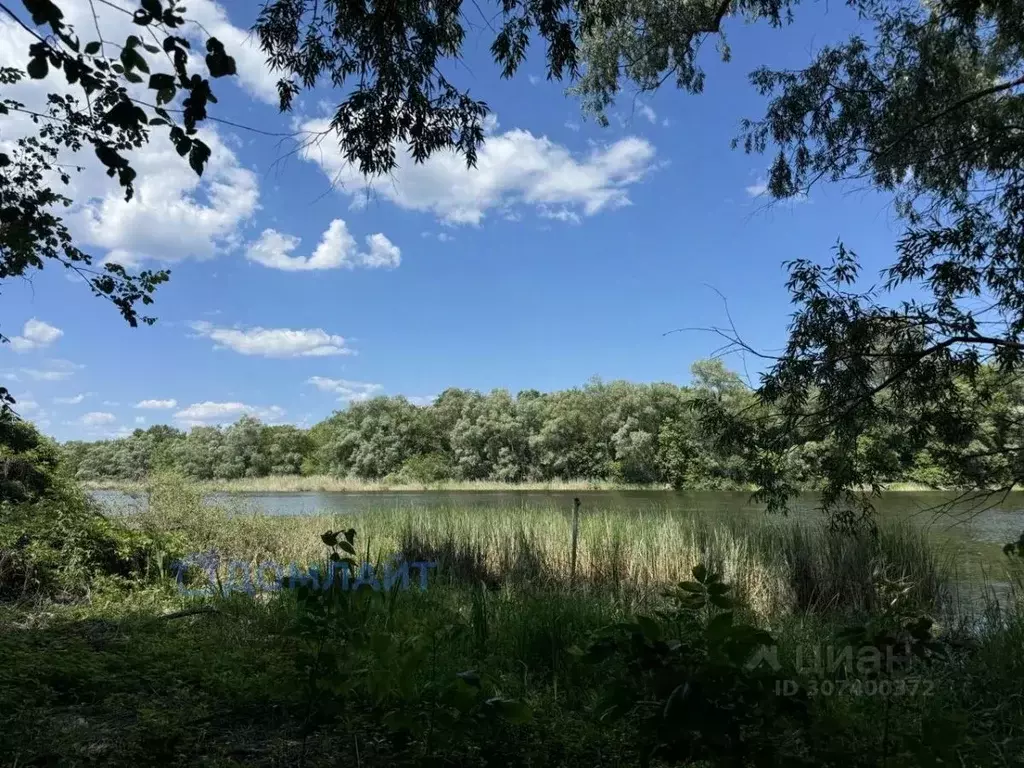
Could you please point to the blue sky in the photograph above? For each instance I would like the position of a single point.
(568, 254)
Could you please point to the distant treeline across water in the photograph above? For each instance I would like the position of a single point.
(618, 432)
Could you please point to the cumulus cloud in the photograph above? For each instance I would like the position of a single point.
(157, 404)
(253, 74)
(337, 248)
(514, 168)
(73, 400)
(175, 214)
(348, 391)
(97, 419)
(210, 413)
(34, 335)
(275, 342)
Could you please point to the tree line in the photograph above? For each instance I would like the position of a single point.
(617, 431)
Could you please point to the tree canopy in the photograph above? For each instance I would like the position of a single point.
(107, 98)
(925, 106)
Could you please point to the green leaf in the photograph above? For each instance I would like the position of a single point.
(650, 628)
(346, 547)
(37, 68)
(720, 625)
(470, 678)
(132, 59)
(160, 80)
(92, 48)
(330, 538)
(722, 601)
(198, 156)
(217, 60)
(700, 572)
(44, 12)
(152, 7)
(513, 711)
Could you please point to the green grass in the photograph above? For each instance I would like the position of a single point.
(112, 683)
(123, 679)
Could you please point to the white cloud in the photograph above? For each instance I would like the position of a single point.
(157, 404)
(346, 390)
(35, 335)
(574, 127)
(646, 111)
(337, 248)
(561, 214)
(275, 342)
(97, 418)
(209, 412)
(253, 74)
(421, 400)
(760, 189)
(140, 419)
(56, 370)
(46, 375)
(74, 400)
(26, 404)
(533, 79)
(174, 214)
(514, 168)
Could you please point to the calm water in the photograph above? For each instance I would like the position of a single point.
(970, 538)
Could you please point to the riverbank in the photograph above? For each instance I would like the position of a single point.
(512, 656)
(331, 484)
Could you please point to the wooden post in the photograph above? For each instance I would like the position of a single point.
(575, 536)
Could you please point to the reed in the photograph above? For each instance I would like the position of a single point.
(778, 566)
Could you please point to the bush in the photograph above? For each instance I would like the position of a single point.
(427, 468)
(53, 539)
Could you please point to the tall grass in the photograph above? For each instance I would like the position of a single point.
(778, 566)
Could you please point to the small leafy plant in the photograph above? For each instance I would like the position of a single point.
(685, 674)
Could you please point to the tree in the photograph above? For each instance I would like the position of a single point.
(927, 106)
(102, 106)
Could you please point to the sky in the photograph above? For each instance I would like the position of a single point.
(572, 250)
